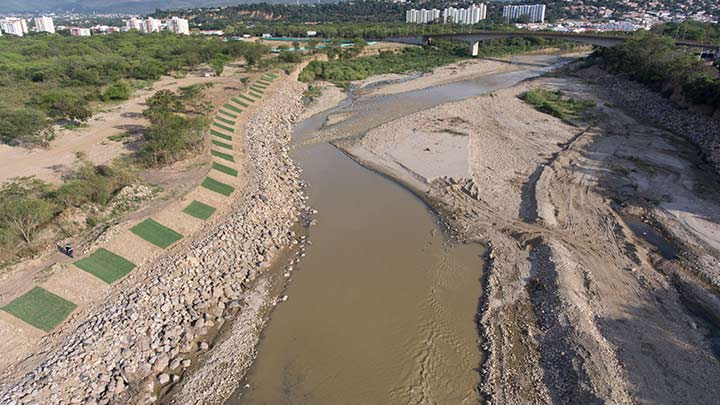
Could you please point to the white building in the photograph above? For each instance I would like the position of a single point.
(533, 12)
(468, 16)
(150, 25)
(422, 16)
(80, 32)
(44, 24)
(14, 26)
(134, 23)
(178, 26)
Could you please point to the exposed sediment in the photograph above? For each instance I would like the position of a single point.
(148, 333)
(578, 309)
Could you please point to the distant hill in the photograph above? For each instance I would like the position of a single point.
(109, 6)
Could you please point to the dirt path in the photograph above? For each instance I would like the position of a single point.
(57, 160)
(54, 271)
(578, 309)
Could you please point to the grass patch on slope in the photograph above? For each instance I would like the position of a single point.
(556, 104)
(199, 210)
(40, 308)
(105, 265)
(155, 233)
(217, 186)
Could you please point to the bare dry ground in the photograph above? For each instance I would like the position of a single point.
(181, 184)
(578, 308)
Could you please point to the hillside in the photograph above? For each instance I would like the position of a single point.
(129, 6)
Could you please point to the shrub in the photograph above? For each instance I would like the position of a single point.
(117, 91)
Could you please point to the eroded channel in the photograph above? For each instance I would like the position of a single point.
(383, 307)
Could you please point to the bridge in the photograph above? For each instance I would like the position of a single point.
(474, 38)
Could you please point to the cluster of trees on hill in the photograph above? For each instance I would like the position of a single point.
(49, 79)
(655, 61)
(346, 68)
(355, 12)
(690, 31)
(178, 121)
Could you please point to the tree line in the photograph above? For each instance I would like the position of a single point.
(655, 61)
(51, 79)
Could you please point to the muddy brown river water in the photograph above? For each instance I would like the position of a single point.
(383, 307)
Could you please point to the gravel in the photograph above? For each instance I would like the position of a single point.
(151, 324)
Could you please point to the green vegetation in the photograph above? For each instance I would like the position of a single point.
(222, 144)
(228, 114)
(106, 265)
(155, 233)
(29, 205)
(117, 91)
(222, 155)
(412, 59)
(557, 105)
(199, 210)
(233, 108)
(221, 135)
(244, 97)
(224, 169)
(40, 308)
(221, 126)
(225, 120)
(48, 79)
(177, 125)
(690, 30)
(217, 186)
(655, 61)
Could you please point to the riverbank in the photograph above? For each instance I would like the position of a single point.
(156, 323)
(577, 308)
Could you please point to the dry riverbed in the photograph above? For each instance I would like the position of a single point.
(578, 308)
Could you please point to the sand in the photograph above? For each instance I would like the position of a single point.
(577, 308)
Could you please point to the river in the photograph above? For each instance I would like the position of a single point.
(382, 309)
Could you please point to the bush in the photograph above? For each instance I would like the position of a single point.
(555, 104)
(117, 91)
(24, 125)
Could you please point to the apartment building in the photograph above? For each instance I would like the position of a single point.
(14, 26)
(450, 15)
(467, 16)
(134, 23)
(422, 16)
(80, 32)
(178, 26)
(44, 24)
(150, 25)
(534, 13)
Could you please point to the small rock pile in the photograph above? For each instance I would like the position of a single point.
(142, 338)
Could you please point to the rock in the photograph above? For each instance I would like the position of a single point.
(163, 379)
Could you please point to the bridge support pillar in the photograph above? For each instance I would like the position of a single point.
(474, 48)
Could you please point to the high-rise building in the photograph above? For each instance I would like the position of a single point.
(468, 16)
(422, 16)
(134, 23)
(150, 25)
(14, 26)
(533, 12)
(44, 24)
(178, 26)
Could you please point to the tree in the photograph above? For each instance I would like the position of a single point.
(296, 45)
(218, 63)
(21, 209)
